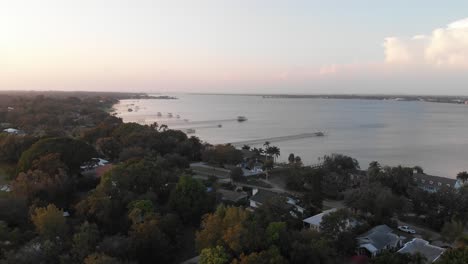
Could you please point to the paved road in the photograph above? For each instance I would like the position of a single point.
(420, 231)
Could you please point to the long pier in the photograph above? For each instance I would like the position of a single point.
(276, 139)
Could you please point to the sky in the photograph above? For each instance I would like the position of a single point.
(238, 46)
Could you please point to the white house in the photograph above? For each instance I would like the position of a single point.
(314, 222)
(12, 131)
(94, 163)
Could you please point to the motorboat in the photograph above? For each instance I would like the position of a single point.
(190, 131)
(241, 118)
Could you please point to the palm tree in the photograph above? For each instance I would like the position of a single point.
(298, 161)
(267, 148)
(374, 165)
(463, 176)
(275, 152)
(154, 126)
(418, 169)
(291, 158)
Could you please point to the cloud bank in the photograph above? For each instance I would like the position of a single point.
(444, 47)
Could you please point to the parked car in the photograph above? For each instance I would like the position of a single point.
(407, 229)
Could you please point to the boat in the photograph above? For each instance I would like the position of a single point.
(190, 131)
(159, 114)
(130, 110)
(241, 118)
(220, 125)
(169, 115)
(178, 116)
(319, 134)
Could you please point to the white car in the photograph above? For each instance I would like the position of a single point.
(406, 229)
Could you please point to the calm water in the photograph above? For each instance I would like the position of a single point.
(430, 135)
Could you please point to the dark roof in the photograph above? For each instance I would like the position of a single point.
(424, 180)
(232, 196)
(263, 196)
(422, 247)
(379, 237)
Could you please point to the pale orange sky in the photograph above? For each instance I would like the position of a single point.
(234, 46)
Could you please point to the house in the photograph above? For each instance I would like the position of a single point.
(94, 163)
(314, 222)
(378, 239)
(260, 197)
(13, 131)
(421, 246)
(232, 196)
(431, 183)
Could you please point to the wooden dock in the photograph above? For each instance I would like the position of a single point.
(276, 139)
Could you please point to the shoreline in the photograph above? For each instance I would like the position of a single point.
(121, 111)
(448, 99)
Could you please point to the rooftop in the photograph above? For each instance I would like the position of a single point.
(426, 180)
(317, 219)
(232, 196)
(263, 196)
(379, 237)
(421, 246)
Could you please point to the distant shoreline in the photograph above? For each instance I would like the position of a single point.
(408, 98)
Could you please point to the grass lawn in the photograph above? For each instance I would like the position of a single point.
(7, 172)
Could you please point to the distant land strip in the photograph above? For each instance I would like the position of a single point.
(451, 99)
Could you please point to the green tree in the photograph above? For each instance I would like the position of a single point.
(215, 255)
(273, 151)
(298, 162)
(275, 231)
(108, 147)
(418, 169)
(237, 174)
(463, 176)
(222, 154)
(269, 256)
(49, 221)
(374, 169)
(397, 258)
(454, 256)
(339, 163)
(190, 199)
(73, 153)
(139, 210)
(452, 230)
(224, 227)
(335, 223)
(48, 180)
(85, 241)
(149, 242)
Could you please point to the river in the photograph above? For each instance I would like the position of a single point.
(430, 135)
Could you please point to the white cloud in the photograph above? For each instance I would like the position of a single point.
(444, 47)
